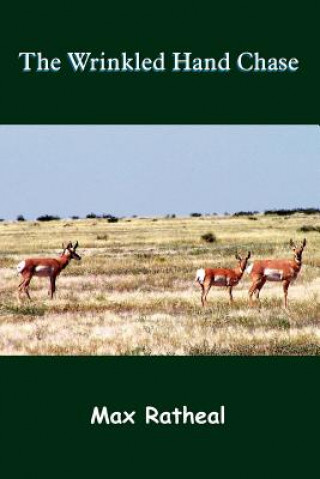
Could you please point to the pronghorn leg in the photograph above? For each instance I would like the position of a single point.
(230, 294)
(202, 294)
(52, 287)
(286, 285)
(251, 291)
(205, 291)
(259, 288)
(20, 288)
(26, 287)
(255, 288)
(21, 285)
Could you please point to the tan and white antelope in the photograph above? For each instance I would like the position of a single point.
(221, 277)
(285, 270)
(46, 267)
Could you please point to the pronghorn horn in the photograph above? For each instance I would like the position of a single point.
(304, 242)
(249, 254)
(75, 246)
(292, 244)
(69, 245)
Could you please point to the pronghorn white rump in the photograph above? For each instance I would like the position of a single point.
(200, 275)
(21, 266)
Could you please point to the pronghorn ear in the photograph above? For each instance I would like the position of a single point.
(63, 246)
(249, 254)
(75, 246)
(304, 242)
(238, 256)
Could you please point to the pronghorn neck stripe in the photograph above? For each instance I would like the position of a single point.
(64, 260)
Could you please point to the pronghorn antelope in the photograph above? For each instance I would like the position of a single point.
(221, 277)
(284, 270)
(46, 267)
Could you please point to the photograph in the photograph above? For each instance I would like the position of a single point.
(159, 240)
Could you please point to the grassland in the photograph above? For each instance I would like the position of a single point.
(134, 293)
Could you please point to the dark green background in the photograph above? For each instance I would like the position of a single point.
(280, 29)
(272, 404)
(272, 418)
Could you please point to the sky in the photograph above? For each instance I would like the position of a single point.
(155, 170)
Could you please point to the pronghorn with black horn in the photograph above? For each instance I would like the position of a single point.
(46, 268)
(221, 277)
(285, 270)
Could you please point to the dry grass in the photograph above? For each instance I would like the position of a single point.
(134, 291)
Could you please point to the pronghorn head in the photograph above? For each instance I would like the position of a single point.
(70, 251)
(298, 250)
(243, 261)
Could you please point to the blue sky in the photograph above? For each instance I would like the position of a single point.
(156, 170)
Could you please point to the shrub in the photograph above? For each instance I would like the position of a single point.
(209, 237)
(102, 237)
(308, 228)
(111, 219)
(48, 218)
(75, 217)
(285, 212)
(91, 216)
(195, 215)
(245, 213)
(20, 218)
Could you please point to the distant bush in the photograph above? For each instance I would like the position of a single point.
(195, 215)
(209, 237)
(245, 213)
(102, 237)
(1, 219)
(74, 217)
(253, 218)
(286, 212)
(170, 216)
(308, 228)
(20, 218)
(110, 218)
(48, 218)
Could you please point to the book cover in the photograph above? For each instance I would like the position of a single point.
(159, 252)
